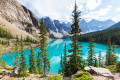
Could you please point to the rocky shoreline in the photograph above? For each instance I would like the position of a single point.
(96, 73)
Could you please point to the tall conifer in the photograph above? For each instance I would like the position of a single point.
(22, 69)
(61, 66)
(91, 52)
(108, 53)
(95, 62)
(33, 68)
(17, 56)
(75, 62)
(43, 47)
(65, 60)
(39, 64)
(99, 58)
(114, 53)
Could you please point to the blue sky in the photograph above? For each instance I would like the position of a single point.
(62, 9)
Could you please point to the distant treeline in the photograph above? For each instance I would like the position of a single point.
(3, 42)
(5, 34)
(102, 36)
(28, 40)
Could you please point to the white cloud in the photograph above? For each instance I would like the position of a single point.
(98, 14)
(55, 59)
(62, 9)
(92, 4)
(118, 10)
(56, 9)
(116, 18)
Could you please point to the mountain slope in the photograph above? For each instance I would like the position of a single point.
(13, 12)
(102, 36)
(10, 27)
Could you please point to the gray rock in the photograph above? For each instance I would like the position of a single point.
(99, 71)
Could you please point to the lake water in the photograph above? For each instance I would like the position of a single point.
(55, 48)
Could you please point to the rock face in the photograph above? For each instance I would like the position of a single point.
(16, 14)
(99, 71)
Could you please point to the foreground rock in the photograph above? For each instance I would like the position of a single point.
(100, 71)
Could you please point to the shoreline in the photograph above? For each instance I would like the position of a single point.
(26, 47)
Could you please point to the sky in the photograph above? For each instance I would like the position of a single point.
(62, 9)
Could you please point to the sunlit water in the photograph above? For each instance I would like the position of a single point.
(55, 48)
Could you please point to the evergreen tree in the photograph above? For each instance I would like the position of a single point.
(43, 47)
(108, 53)
(99, 57)
(91, 52)
(65, 60)
(39, 64)
(75, 62)
(61, 66)
(22, 69)
(33, 68)
(114, 53)
(95, 62)
(17, 56)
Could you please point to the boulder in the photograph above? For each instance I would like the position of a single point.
(99, 71)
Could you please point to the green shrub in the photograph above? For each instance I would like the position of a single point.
(111, 67)
(5, 65)
(84, 76)
(1, 67)
(23, 74)
(83, 73)
(55, 77)
(118, 65)
(112, 71)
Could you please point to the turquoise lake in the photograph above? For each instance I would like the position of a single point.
(55, 48)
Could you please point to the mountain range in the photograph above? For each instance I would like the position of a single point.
(27, 24)
(58, 29)
(94, 25)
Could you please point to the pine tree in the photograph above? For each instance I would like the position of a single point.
(65, 60)
(17, 56)
(75, 62)
(99, 57)
(108, 53)
(114, 53)
(22, 69)
(61, 66)
(43, 47)
(91, 52)
(39, 64)
(95, 62)
(33, 68)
